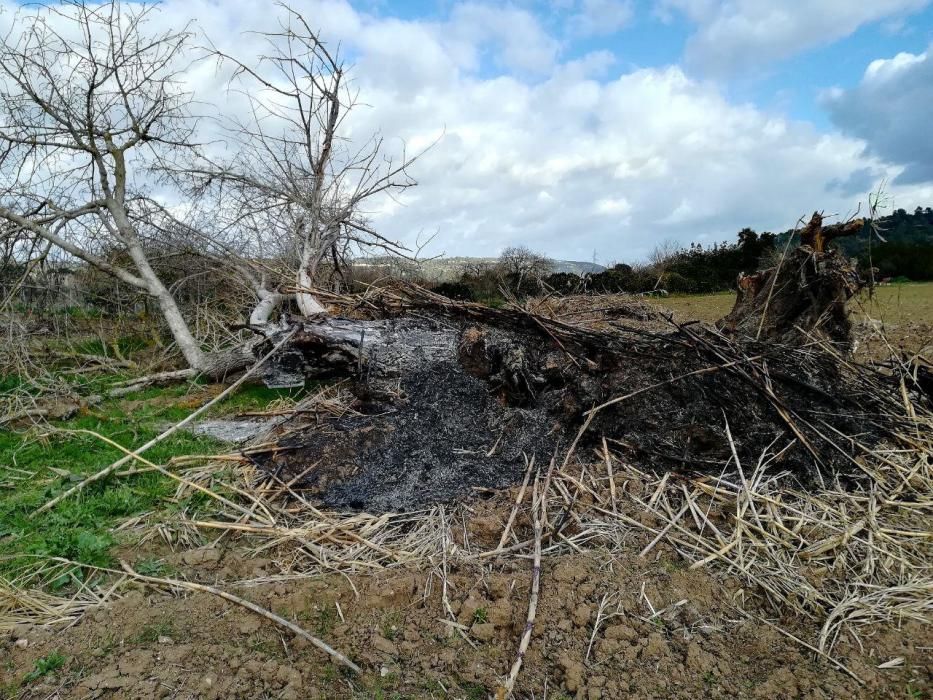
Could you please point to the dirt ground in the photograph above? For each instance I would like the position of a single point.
(607, 626)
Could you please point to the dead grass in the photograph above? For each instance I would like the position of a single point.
(846, 557)
(894, 304)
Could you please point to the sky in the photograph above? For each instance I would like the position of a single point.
(596, 129)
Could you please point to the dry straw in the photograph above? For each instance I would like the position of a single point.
(844, 556)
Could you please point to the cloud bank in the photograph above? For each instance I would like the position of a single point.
(891, 109)
(581, 158)
(743, 35)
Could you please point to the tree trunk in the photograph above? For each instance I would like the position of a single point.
(223, 363)
(268, 302)
(307, 304)
(179, 328)
(805, 294)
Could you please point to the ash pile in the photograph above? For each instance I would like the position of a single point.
(444, 400)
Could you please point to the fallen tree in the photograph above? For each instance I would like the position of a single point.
(806, 293)
(490, 384)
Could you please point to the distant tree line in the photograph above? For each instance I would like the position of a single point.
(906, 250)
(899, 246)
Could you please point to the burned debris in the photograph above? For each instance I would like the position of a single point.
(449, 395)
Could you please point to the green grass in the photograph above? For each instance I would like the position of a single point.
(126, 345)
(152, 633)
(36, 466)
(44, 666)
(256, 397)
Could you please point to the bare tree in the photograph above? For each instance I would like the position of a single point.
(663, 254)
(294, 180)
(521, 263)
(90, 101)
(92, 110)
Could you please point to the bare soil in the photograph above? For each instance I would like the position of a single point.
(672, 633)
(608, 625)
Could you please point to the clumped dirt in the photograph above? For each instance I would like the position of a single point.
(699, 644)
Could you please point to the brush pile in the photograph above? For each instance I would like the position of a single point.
(589, 424)
(448, 396)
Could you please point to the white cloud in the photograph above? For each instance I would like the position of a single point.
(566, 157)
(600, 17)
(514, 32)
(740, 34)
(890, 109)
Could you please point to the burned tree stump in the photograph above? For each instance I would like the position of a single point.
(805, 293)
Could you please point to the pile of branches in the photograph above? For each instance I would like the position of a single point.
(662, 391)
(850, 550)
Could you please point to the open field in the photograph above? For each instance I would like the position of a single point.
(893, 303)
(903, 311)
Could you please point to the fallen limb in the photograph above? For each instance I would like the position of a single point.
(281, 621)
(66, 407)
(137, 383)
(134, 454)
(505, 690)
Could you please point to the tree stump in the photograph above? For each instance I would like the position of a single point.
(803, 295)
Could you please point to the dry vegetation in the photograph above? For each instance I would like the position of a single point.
(591, 577)
(904, 312)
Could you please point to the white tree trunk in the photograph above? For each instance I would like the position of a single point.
(268, 302)
(179, 328)
(307, 304)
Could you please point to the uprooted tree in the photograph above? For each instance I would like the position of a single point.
(93, 111)
(805, 293)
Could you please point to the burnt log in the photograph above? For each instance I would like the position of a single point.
(805, 294)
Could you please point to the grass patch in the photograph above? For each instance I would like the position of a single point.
(152, 633)
(36, 466)
(256, 397)
(391, 625)
(44, 666)
(123, 346)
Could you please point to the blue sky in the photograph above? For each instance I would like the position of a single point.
(602, 128)
(798, 68)
(654, 39)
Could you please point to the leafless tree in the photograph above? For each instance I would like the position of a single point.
(663, 253)
(294, 179)
(91, 101)
(521, 263)
(92, 110)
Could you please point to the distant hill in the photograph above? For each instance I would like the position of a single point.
(450, 269)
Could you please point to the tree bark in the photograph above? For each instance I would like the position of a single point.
(268, 302)
(307, 303)
(806, 293)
